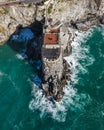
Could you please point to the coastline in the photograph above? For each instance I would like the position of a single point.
(68, 35)
(71, 97)
(82, 106)
(3, 42)
(72, 37)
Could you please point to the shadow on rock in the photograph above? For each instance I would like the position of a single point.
(27, 41)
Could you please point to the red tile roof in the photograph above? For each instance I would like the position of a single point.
(51, 38)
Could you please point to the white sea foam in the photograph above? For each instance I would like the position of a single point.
(1, 73)
(22, 55)
(19, 56)
(72, 100)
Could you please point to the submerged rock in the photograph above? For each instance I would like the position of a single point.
(24, 36)
(37, 81)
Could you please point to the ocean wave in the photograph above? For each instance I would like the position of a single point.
(72, 100)
(58, 111)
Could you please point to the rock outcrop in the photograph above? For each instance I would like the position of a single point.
(98, 3)
(12, 16)
(69, 16)
(57, 12)
(66, 15)
(81, 14)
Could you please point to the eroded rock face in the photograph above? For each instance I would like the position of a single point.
(98, 2)
(76, 10)
(69, 16)
(58, 12)
(11, 17)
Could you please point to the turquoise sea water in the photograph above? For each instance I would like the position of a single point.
(83, 105)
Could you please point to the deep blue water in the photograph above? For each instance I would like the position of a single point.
(81, 109)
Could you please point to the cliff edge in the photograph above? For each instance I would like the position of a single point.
(80, 14)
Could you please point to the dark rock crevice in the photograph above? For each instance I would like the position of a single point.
(98, 3)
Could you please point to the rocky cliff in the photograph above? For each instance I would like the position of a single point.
(12, 16)
(80, 14)
(75, 11)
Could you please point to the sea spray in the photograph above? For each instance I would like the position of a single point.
(72, 100)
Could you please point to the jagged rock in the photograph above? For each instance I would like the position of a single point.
(98, 3)
(73, 10)
(11, 17)
(59, 12)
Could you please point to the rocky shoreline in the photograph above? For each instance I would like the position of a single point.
(92, 15)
